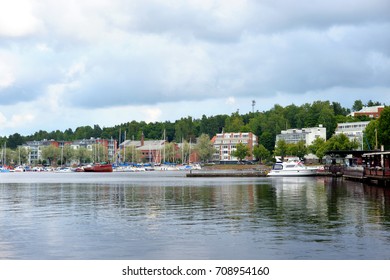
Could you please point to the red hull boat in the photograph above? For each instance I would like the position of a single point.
(99, 167)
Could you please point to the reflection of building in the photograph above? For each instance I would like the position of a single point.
(353, 130)
(226, 143)
(308, 135)
(373, 112)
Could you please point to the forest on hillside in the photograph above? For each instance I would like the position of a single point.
(266, 125)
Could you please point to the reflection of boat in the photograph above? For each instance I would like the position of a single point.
(292, 168)
(98, 167)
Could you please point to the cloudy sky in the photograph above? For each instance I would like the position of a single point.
(70, 63)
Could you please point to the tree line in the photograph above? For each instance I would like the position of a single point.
(266, 125)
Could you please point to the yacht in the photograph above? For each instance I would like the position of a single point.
(292, 168)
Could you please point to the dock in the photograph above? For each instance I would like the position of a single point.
(372, 168)
(227, 174)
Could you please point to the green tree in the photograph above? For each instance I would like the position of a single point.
(83, 155)
(281, 149)
(370, 135)
(261, 153)
(384, 128)
(51, 153)
(132, 154)
(99, 153)
(318, 147)
(234, 123)
(185, 129)
(204, 148)
(14, 141)
(357, 105)
(340, 142)
(299, 149)
(67, 154)
(170, 152)
(242, 151)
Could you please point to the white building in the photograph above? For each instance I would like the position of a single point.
(226, 143)
(353, 130)
(293, 136)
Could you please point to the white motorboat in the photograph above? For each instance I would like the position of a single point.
(292, 168)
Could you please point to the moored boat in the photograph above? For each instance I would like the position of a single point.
(98, 167)
(291, 168)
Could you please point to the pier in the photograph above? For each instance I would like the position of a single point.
(261, 173)
(368, 167)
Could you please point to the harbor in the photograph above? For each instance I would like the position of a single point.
(166, 215)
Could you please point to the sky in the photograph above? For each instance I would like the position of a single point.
(71, 63)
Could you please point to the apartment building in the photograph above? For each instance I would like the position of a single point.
(226, 143)
(353, 130)
(308, 135)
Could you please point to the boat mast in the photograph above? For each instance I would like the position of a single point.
(124, 149)
(164, 145)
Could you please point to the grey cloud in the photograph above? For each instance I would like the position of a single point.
(163, 51)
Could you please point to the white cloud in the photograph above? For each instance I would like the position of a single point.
(7, 75)
(230, 101)
(165, 59)
(17, 19)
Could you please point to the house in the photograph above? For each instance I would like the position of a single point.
(149, 150)
(226, 143)
(372, 112)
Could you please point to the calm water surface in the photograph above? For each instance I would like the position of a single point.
(164, 215)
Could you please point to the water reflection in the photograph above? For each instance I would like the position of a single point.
(173, 217)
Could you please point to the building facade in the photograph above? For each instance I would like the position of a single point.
(35, 148)
(353, 130)
(373, 112)
(308, 135)
(226, 143)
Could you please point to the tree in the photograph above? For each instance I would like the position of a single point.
(67, 153)
(185, 129)
(83, 155)
(170, 152)
(340, 142)
(242, 151)
(318, 147)
(384, 128)
(281, 149)
(204, 148)
(357, 106)
(185, 151)
(261, 153)
(370, 135)
(51, 153)
(299, 149)
(132, 154)
(99, 152)
(234, 123)
(371, 103)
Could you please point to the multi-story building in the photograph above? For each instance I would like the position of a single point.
(226, 143)
(35, 147)
(308, 135)
(150, 150)
(90, 144)
(353, 130)
(373, 112)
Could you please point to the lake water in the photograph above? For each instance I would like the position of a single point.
(164, 215)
